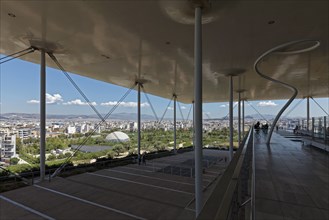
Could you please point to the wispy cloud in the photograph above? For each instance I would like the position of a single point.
(125, 104)
(33, 101)
(183, 107)
(78, 102)
(170, 108)
(228, 104)
(50, 99)
(267, 104)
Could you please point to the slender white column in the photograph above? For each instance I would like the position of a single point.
(43, 115)
(239, 118)
(231, 117)
(175, 143)
(308, 114)
(139, 121)
(198, 109)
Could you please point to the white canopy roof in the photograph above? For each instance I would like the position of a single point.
(121, 41)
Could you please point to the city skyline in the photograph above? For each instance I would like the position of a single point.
(20, 94)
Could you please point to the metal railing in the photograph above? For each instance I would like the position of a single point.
(319, 128)
(234, 196)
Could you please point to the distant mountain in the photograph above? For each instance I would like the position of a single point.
(114, 116)
(130, 116)
(258, 117)
(3, 118)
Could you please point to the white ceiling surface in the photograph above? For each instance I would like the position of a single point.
(133, 32)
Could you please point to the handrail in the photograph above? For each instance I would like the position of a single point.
(253, 183)
(220, 203)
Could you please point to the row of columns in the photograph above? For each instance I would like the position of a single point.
(197, 112)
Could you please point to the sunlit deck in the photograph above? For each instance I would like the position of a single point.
(151, 191)
(292, 181)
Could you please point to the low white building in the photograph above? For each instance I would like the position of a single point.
(7, 147)
(71, 129)
(24, 133)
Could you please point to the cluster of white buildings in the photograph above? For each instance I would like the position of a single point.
(9, 130)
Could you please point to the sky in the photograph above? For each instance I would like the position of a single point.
(19, 93)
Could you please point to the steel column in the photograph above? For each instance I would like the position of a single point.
(193, 129)
(308, 114)
(243, 118)
(175, 143)
(198, 109)
(139, 121)
(43, 115)
(239, 118)
(231, 117)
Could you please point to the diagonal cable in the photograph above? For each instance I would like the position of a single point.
(300, 101)
(166, 110)
(320, 106)
(75, 85)
(13, 54)
(149, 101)
(229, 113)
(180, 110)
(20, 55)
(91, 133)
(208, 116)
(188, 114)
(257, 111)
(81, 93)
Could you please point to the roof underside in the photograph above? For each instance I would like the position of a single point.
(121, 41)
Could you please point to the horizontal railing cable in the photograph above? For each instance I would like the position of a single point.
(16, 175)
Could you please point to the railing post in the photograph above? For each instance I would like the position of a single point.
(139, 122)
(325, 129)
(308, 114)
(313, 128)
(42, 115)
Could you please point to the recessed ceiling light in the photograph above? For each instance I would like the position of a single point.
(271, 22)
(12, 15)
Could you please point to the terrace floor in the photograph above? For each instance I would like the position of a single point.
(161, 189)
(292, 181)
